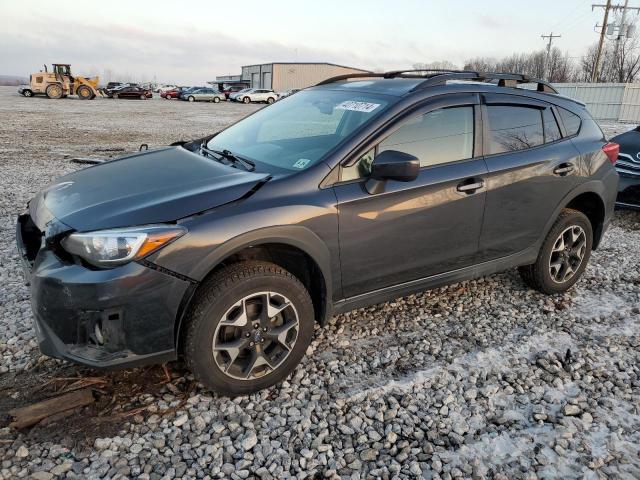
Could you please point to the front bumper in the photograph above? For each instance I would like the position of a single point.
(121, 317)
(628, 191)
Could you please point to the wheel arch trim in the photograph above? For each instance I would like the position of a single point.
(295, 236)
(596, 187)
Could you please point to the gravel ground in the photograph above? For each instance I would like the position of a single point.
(482, 379)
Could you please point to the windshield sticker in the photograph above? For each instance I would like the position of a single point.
(354, 106)
(301, 163)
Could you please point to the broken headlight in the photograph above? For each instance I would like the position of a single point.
(110, 248)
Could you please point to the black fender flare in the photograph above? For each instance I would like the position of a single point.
(592, 186)
(293, 235)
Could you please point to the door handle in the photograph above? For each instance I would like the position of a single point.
(469, 188)
(564, 169)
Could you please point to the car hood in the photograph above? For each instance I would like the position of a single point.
(151, 187)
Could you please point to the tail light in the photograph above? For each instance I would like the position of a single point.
(612, 150)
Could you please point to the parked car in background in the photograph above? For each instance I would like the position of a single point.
(628, 167)
(232, 89)
(256, 95)
(165, 88)
(287, 93)
(234, 95)
(25, 90)
(204, 95)
(187, 91)
(111, 86)
(231, 249)
(109, 91)
(133, 92)
(169, 94)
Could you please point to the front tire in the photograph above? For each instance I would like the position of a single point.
(191, 99)
(563, 256)
(246, 100)
(248, 328)
(84, 92)
(27, 93)
(270, 100)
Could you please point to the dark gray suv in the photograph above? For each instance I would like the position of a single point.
(229, 249)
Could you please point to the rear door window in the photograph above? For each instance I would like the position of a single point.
(514, 128)
(571, 121)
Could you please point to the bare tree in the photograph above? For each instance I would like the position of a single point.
(560, 68)
(437, 65)
(481, 64)
(625, 61)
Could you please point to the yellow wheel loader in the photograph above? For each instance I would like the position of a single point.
(60, 82)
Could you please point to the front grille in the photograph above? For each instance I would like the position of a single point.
(31, 237)
(627, 165)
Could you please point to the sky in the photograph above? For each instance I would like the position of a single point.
(192, 42)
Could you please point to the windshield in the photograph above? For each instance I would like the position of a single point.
(296, 132)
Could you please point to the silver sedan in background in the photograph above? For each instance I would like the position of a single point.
(205, 95)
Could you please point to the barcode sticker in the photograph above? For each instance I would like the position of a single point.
(354, 106)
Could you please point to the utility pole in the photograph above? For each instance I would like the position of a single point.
(596, 64)
(551, 36)
(621, 29)
(603, 30)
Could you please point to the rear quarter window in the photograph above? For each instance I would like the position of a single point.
(571, 121)
(551, 130)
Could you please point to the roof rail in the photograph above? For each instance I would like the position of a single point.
(441, 77)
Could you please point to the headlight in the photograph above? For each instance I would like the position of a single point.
(110, 248)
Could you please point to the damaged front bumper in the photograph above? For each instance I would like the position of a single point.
(120, 317)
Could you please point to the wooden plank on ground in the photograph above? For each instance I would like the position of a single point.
(32, 414)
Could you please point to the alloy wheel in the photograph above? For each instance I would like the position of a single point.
(255, 335)
(567, 254)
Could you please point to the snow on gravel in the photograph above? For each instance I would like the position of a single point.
(482, 379)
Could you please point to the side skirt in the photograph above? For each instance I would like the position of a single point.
(526, 257)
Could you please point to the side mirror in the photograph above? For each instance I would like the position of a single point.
(392, 165)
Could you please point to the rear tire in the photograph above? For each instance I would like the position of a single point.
(54, 91)
(115, 95)
(563, 256)
(84, 92)
(216, 100)
(248, 328)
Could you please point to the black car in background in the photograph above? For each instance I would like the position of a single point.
(228, 249)
(133, 93)
(628, 167)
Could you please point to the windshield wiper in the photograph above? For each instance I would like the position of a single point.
(247, 164)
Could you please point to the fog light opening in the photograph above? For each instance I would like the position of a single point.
(97, 333)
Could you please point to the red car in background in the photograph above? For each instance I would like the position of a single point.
(169, 94)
